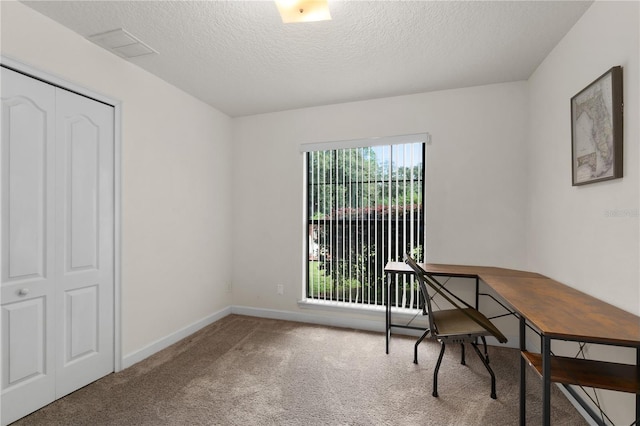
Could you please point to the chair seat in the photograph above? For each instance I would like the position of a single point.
(458, 323)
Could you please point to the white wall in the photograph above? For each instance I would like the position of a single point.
(175, 180)
(476, 182)
(570, 235)
(498, 179)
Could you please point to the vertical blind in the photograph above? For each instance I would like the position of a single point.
(365, 207)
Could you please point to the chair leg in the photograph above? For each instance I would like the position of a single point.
(486, 364)
(462, 361)
(415, 348)
(484, 343)
(435, 373)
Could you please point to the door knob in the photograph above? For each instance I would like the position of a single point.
(23, 291)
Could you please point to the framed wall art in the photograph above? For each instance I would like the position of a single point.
(596, 130)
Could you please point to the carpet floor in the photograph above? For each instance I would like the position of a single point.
(252, 371)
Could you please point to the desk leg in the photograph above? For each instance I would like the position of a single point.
(478, 304)
(523, 374)
(638, 395)
(477, 293)
(546, 380)
(387, 302)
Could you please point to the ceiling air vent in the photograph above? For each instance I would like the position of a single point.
(122, 44)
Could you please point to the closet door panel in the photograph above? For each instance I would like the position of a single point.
(84, 227)
(27, 280)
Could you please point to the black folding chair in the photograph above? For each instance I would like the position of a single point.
(462, 324)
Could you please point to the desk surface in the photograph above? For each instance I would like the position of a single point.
(560, 311)
(460, 270)
(555, 309)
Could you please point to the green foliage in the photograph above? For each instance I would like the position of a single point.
(355, 179)
(321, 284)
(342, 178)
(318, 281)
(354, 269)
(417, 253)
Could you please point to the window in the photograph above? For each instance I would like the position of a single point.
(365, 207)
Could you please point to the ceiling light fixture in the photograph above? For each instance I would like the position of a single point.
(303, 10)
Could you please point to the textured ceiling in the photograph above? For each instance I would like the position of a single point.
(238, 56)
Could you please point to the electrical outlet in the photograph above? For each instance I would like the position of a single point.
(280, 289)
(229, 287)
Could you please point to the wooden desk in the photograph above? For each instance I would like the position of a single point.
(564, 313)
(557, 312)
(460, 271)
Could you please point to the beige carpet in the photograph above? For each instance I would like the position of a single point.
(250, 371)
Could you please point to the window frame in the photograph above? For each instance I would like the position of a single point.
(391, 142)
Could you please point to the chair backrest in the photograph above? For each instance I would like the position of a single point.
(425, 280)
(420, 274)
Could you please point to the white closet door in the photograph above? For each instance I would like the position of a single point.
(28, 245)
(84, 241)
(57, 278)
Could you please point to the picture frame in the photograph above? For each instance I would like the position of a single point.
(596, 130)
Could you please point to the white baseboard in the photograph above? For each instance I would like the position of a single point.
(344, 322)
(165, 342)
(333, 321)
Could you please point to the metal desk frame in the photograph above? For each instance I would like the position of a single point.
(551, 308)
